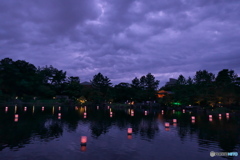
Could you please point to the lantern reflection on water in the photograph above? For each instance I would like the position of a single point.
(129, 136)
(167, 129)
(210, 119)
(83, 148)
(193, 121)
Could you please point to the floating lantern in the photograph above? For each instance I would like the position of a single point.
(210, 116)
(84, 140)
(129, 131)
(174, 120)
(219, 115)
(183, 111)
(162, 111)
(59, 108)
(145, 113)
(167, 124)
(227, 114)
(193, 117)
(6, 109)
(16, 118)
(59, 114)
(85, 113)
(97, 107)
(25, 108)
(42, 108)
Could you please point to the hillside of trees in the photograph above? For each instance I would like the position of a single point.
(25, 81)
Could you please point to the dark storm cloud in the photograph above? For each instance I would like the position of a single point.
(123, 38)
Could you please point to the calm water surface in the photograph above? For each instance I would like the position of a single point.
(37, 133)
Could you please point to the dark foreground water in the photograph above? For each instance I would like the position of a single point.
(38, 134)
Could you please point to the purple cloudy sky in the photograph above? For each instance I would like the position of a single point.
(123, 39)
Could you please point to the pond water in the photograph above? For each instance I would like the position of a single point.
(38, 133)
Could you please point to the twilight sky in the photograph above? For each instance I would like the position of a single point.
(123, 39)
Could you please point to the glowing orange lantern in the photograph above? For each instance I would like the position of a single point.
(76, 108)
(219, 115)
(183, 110)
(210, 119)
(162, 111)
(97, 107)
(193, 120)
(16, 116)
(6, 109)
(167, 124)
(227, 114)
(174, 120)
(145, 113)
(83, 140)
(59, 114)
(25, 108)
(193, 117)
(85, 113)
(129, 131)
(210, 116)
(59, 108)
(42, 108)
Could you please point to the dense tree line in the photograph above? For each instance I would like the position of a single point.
(206, 89)
(24, 80)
